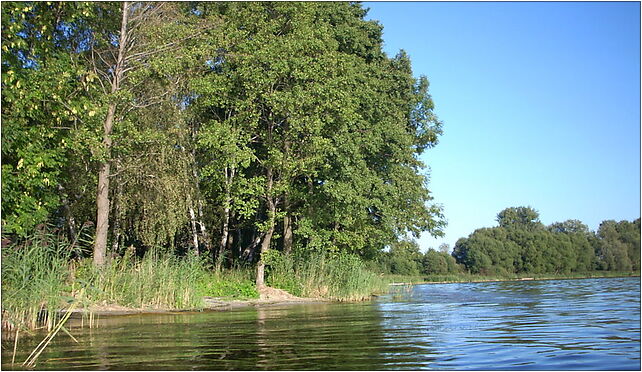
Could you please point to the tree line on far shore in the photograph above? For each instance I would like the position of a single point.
(521, 244)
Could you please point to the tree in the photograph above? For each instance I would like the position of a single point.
(137, 69)
(619, 245)
(569, 227)
(318, 107)
(444, 247)
(522, 217)
(405, 258)
(434, 263)
(44, 110)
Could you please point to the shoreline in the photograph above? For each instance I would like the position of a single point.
(223, 304)
(211, 304)
(634, 275)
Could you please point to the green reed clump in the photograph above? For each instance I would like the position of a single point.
(156, 281)
(35, 274)
(342, 277)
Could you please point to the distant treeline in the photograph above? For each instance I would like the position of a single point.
(522, 244)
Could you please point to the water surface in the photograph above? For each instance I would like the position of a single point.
(591, 324)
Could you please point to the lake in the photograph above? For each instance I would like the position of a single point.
(589, 324)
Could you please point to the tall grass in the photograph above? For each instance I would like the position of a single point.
(39, 278)
(34, 281)
(156, 281)
(342, 277)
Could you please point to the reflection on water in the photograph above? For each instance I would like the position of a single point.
(566, 324)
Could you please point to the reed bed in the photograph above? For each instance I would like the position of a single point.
(157, 280)
(341, 277)
(35, 277)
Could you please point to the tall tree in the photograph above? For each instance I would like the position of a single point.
(138, 65)
(333, 126)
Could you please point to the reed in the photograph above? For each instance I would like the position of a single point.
(341, 277)
(156, 281)
(34, 281)
(30, 362)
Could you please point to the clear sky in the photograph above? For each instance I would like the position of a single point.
(540, 103)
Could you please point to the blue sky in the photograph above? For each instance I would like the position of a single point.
(540, 103)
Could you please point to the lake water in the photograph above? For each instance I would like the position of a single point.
(591, 324)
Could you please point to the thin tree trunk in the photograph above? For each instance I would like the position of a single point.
(71, 221)
(230, 237)
(265, 244)
(248, 253)
(192, 217)
(224, 236)
(102, 197)
(205, 236)
(287, 222)
(229, 178)
(287, 227)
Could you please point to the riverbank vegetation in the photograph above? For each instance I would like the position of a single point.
(167, 148)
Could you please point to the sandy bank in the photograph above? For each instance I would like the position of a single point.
(268, 297)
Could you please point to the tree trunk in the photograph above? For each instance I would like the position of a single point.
(248, 253)
(115, 231)
(229, 178)
(192, 217)
(205, 237)
(102, 197)
(267, 239)
(265, 245)
(224, 237)
(71, 221)
(287, 228)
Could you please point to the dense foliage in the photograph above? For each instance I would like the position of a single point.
(223, 129)
(522, 244)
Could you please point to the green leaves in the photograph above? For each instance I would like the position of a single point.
(267, 112)
(521, 244)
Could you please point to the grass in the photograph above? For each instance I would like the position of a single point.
(157, 280)
(341, 277)
(39, 278)
(34, 282)
(238, 283)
